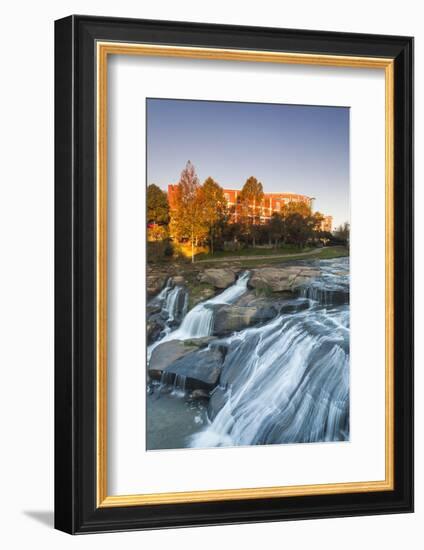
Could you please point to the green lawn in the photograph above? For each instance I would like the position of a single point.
(325, 253)
(287, 249)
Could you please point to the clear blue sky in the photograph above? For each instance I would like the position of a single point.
(294, 148)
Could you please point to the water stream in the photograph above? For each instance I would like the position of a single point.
(283, 382)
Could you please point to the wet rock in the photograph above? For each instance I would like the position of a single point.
(230, 318)
(201, 369)
(154, 327)
(217, 400)
(199, 394)
(218, 277)
(199, 342)
(292, 306)
(282, 278)
(152, 308)
(167, 353)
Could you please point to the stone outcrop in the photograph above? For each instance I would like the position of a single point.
(155, 282)
(232, 318)
(281, 278)
(218, 277)
(192, 359)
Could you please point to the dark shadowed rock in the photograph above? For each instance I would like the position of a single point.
(154, 327)
(167, 353)
(201, 369)
(199, 394)
(217, 400)
(199, 365)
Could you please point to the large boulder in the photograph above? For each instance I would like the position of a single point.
(193, 360)
(282, 278)
(232, 318)
(218, 277)
(200, 369)
(165, 354)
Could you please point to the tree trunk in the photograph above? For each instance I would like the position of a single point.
(192, 248)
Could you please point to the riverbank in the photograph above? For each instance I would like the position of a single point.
(185, 272)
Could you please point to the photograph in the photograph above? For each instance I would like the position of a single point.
(247, 277)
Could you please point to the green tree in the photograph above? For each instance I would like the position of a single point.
(277, 228)
(157, 205)
(342, 233)
(187, 216)
(299, 229)
(214, 208)
(251, 197)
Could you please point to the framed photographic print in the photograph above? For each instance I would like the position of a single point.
(234, 274)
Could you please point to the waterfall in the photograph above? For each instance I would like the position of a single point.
(293, 385)
(171, 302)
(199, 321)
(332, 287)
(287, 381)
(283, 382)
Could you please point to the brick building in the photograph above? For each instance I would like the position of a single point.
(272, 202)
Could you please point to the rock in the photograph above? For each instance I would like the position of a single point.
(199, 365)
(218, 277)
(154, 327)
(152, 308)
(200, 295)
(199, 394)
(217, 400)
(200, 342)
(167, 353)
(282, 278)
(178, 280)
(201, 369)
(231, 318)
(155, 283)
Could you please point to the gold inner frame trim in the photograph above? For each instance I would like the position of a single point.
(104, 49)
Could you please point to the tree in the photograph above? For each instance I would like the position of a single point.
(277, 228)
(296, 207)
(157, 205)
(187, 218)
(214, 207)
(250, 199)
(342, 233)
(299, 229)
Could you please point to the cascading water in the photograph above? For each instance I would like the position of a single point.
(283, 382)
(171, 302)
(199, 321)
(287, 381)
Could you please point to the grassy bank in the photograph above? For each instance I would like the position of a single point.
(249, 252)
(244, 257)
(247, 260)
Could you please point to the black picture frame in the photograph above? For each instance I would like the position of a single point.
(76, 510)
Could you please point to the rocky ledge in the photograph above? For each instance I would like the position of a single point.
(218, 277)
(282, 278)
(195, 360)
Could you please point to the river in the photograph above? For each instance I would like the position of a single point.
(283, 381)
